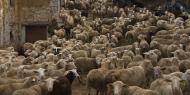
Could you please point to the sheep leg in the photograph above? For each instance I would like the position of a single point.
(97, 92)
(102, 93)
(89, 89)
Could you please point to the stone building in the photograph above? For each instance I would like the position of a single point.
(26, 20)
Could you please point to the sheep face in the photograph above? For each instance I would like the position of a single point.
(116, 87)
(74, 71)
(49, 84)
(186, 75)
(32, 80)
(41, 73)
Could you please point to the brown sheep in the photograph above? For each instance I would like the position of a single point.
(8, 89)
(10, 80)
(168, 86)
(170, 65)
(85, 64)
(161, 47)
(171, 48)
(143, 45)
(95, 52)
(40, 89)
(152, 56)
(60, 33)
(80, 53)
(131, 77)
(95, 78)
(120, 88)
(184, 65)
(127, 60)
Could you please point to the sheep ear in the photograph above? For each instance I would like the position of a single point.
(36, 72)
(110, 85)
(168, 80)
(46, 66)
(163, 68)
(45, 70)
(125, 85)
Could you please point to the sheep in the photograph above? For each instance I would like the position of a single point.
(186, 30)
(180, 54)
(120, 63)
(26, 73)
(28, 61)
(28, 46)
(8, 89)
(128, 53)
(80, 53)
(158, 52)
(62, 84)
(82, 36)
(12, 72)
(60, 33)
(127, 60)
(145, 74)
(35, 66)
(184, 65)
(54, 73)
(170, 65)
(61, 63)
(40, 89)
(34, 90)
(120, 88)
(95, 78)
(10, 80)
(173, 61)
(171, 48)
(167, 86)
(161, 47)
(152, 56)
(60, 72)
(51, 58)
(143, 45)
(85, 64)
(138, 58)
(95, 52)
(159, 73)
(164, 24)
(186, 77)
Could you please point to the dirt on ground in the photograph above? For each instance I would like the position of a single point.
(80, 89)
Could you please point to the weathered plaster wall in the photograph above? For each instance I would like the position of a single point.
(15, 15)
(1, 22)
(4, 23)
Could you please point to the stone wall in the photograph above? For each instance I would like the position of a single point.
(18, 13)
(29, 15)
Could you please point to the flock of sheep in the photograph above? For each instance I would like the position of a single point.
(119, 51)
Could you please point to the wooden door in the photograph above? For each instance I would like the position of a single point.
(35, 33)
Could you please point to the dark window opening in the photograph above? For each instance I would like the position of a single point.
(11, 36)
